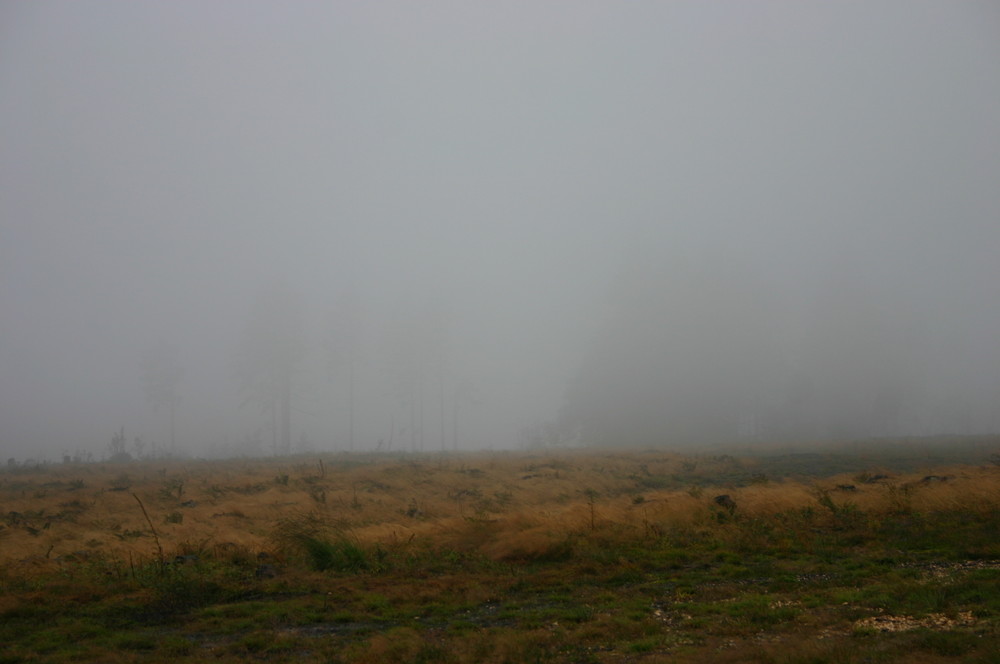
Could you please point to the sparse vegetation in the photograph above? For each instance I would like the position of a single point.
(579, 557)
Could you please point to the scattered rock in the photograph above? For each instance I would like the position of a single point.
(906, 623)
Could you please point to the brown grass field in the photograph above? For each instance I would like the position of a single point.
(880, 554)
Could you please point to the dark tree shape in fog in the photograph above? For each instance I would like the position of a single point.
(272, 348)
(161, 375)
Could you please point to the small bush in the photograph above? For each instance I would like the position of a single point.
(341, 554)
(324, 548)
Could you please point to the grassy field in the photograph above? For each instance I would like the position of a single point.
(884, 552)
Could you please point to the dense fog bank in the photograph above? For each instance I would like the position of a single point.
(255, 228)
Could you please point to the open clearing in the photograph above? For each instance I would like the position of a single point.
(875, 552)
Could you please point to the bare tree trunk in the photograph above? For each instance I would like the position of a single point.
(441, 397)
(350, 399)
(286, 416)
(173, 439)
(274, 427)
(413, 419)
(454, 424)
(420, 410)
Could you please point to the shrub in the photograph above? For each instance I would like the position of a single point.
(323, 547)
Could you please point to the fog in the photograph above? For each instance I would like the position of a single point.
(255, 227)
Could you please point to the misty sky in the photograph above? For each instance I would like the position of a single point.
(504, 169)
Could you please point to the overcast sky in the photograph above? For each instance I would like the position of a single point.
(502, 164)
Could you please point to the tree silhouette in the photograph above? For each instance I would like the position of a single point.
(342, 345)
(417, 350)
(161, 374)
(271, 350)
(687, 353)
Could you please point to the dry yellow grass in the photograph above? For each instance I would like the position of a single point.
(505, 506)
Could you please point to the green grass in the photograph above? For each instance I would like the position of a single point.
(784, 587)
